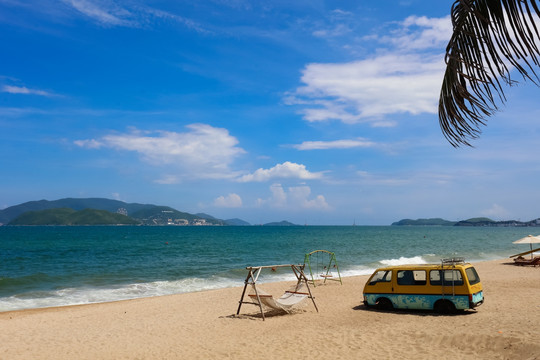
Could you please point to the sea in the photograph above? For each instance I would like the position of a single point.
(45, 266)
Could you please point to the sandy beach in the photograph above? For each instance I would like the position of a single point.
(204, 325)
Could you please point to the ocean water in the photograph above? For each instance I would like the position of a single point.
(56, 265)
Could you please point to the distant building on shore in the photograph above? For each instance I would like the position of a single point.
(122, 211)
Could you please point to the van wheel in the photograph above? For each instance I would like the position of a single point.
(384, 304)
(444, 307)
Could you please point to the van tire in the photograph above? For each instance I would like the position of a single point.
(444, 307)
(384, 304)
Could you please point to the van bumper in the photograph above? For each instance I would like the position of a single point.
(477, 299)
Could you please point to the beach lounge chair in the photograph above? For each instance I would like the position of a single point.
(532, 262)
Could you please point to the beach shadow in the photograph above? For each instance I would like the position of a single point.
(520, 265)
(258, 315)
(363, 307)
(509, 263)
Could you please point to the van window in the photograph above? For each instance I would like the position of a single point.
(381, 276)
(449, 277)
(472, 275)
(411, 277)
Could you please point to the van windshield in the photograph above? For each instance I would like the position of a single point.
(472, 275)
(381, 276)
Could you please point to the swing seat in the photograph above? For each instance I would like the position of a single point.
(326, 276)
(286, 302)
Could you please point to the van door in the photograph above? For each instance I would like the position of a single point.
(451, 285)
(410, 290)
(379, 285)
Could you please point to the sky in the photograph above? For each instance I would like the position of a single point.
(315, 112)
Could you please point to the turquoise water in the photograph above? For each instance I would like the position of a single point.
(55, 266)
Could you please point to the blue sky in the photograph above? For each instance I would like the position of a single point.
(317, 112)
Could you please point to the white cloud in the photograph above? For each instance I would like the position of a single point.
(336, 144)
(286, 170)
(371, 88)
(404, 78)
(230, 201)
(294, 198)
(202, 152)
(497, 212)
(24, 91)
(299, 195)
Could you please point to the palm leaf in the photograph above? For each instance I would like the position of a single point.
(490, 39)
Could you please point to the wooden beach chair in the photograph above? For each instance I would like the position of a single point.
(530, 262)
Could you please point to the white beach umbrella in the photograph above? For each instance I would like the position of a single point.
(529, 239)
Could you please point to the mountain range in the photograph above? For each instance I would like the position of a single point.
(68, 212)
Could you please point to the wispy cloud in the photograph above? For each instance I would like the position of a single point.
(420, 33)
(338, 23)
(129, 14)
(287, 170)
(405, 178)
(404, 78)
(106, 13)
(336, 144)
(188, 23)
(201, 152)
(25, 91)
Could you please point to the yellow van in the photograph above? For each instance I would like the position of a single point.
(445, 287)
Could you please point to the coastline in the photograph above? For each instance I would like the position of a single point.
(203, 325)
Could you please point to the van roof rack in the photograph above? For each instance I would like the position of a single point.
(453, 261)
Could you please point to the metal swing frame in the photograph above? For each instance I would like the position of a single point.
(253, 276)
(326, 275)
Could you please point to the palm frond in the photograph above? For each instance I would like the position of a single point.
(490, 39)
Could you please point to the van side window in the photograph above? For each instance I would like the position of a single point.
(449, 277)
(411, 277)
(381, 276)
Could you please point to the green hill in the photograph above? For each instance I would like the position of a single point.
(480, 221)
(236, 222)
(12, 212)
(280, 223)
(425, 222)
(66, 216)
(163, 215)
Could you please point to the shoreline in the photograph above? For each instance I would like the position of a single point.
(204, 325)
(364, 272)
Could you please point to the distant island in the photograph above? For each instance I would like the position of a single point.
(481, 221)
(280, 223)
(100, 211)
